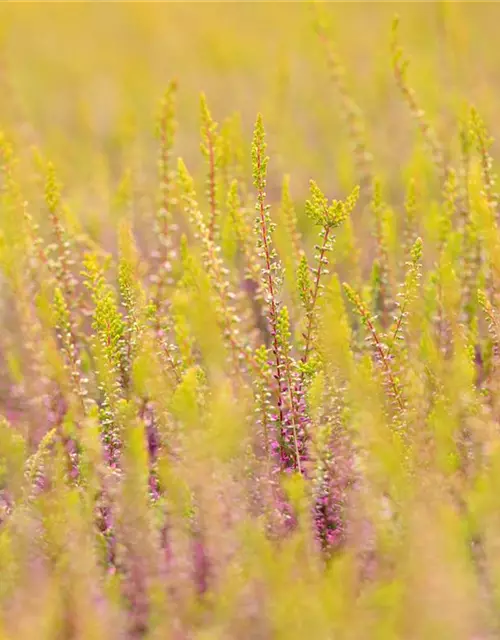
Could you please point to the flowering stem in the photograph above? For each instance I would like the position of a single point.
(260, 168)
(310, 319)
(382, 356)
(385, 362)
(212, 196)
(273, 312)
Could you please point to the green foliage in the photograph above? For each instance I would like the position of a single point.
(333, 215)
(203, 433)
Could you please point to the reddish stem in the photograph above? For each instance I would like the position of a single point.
(310, 320)
(383, 358)
(273, 315)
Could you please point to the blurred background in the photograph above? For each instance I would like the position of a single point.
(82, 81)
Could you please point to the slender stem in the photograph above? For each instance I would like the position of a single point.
(399, 323)
(166, 350)
(212, 196)
(310, 318)
(383, 358)
(293, 412)
(273, 314)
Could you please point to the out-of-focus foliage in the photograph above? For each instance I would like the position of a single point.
(250, 307)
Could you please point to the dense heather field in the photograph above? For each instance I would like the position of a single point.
(250, 308)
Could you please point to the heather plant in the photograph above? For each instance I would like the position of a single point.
(236, 403)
